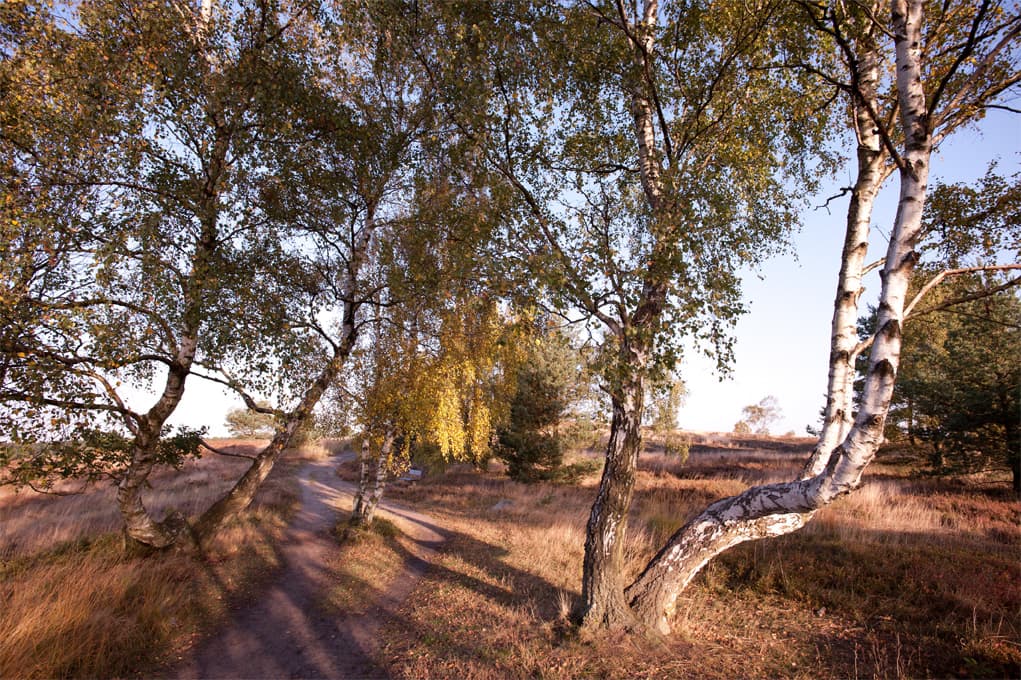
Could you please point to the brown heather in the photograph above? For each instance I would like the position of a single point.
(74, 603)
(908, 577)
(911, 576)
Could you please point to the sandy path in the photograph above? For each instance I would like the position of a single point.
(286, 633)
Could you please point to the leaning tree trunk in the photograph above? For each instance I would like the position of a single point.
(871, 175)
(372, 481)
(776, 509)
(240, 496)
(602, 587)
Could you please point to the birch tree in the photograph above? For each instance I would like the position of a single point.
(648, 162)
(153, 111)
(335, 115)
(341, 194)
(957, 388)
(938, 90)
(441, 378)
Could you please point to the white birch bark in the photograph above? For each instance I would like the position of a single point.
(871, 174)
(777, 509)
(372, 481)
(364, 459)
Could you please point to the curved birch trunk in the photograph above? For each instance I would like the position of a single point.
(138, 523)
(776, 509)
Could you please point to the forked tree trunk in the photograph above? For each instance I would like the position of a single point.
(139, 525)
(602, 587)
(871, 174)
(372, 481)
(777, 509)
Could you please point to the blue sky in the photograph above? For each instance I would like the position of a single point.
(783, 342)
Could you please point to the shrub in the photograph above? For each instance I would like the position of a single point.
(677, 444)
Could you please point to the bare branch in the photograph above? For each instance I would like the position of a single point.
(873, 266)
(844, 191)
(936, 280)
(977, 295)
(223, 452)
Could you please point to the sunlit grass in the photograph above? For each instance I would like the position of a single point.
(75, 603)
(903, 578)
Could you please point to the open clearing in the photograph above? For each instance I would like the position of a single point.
(473, 575)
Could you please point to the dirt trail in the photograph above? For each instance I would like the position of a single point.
(286, 633)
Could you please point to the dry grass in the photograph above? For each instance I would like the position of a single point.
(908, 577)
(904, 578)
(74, 603)
(368, 563)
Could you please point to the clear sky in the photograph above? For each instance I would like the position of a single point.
(783, 342)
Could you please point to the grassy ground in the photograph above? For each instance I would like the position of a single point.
(368, 563)
(74, 603)
(908, 577)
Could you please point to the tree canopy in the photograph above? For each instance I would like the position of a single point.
(286, 197)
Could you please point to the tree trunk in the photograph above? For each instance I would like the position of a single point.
(1015, 471)
(364, 464)
(776, 509)
(372, 481)
(240, 496)
(1013, 445)
(603, 603)
(139, 525)
(871, 175)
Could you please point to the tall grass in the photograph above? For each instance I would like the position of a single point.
(74, 603)
(901, 578)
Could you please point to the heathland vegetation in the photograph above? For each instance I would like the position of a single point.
(461, 233)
